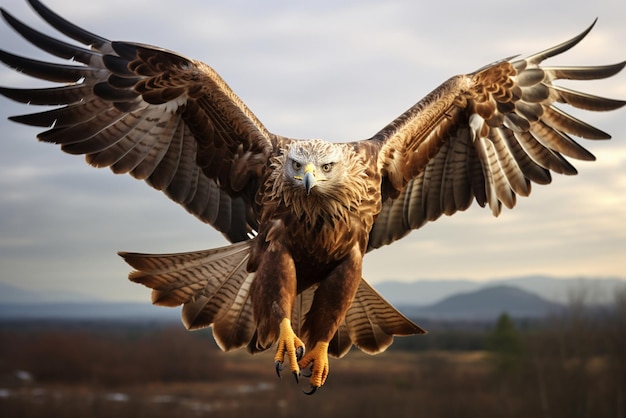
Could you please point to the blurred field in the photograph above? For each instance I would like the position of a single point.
(570, 366)
(352, 389)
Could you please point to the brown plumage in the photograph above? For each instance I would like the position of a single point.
(300, 214)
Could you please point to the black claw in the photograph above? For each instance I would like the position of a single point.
(278, 369)
(295, 374)
(299, 353)
(312, 391)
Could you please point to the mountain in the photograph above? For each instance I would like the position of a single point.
(558, 290)
(423, 292)
(599, 290)
(486, 304)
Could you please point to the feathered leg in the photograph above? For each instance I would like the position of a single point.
(330, 304)
(273, 292)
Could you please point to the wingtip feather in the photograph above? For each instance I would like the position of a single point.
(562, 47)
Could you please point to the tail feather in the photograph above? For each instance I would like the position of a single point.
(341, 342)
(235, 327)
(214, 288)
(212, 285)
(370, 323)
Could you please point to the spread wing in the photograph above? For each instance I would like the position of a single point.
(154, 114)
(484, 136)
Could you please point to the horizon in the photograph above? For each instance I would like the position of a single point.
(393, 290)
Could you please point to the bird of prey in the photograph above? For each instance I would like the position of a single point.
(300, 214)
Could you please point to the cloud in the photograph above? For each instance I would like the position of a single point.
(334, 70)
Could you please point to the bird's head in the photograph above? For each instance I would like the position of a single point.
(315, 164)
(319, 179)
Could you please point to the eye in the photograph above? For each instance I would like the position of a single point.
(296, 165)
(327, 167)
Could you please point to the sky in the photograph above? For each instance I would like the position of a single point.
(337, 70)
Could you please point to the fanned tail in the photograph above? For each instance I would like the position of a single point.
(212, 285)
(370, 323)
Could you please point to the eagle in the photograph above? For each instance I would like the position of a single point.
(300, 214)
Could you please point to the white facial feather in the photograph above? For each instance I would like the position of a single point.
(326, 157)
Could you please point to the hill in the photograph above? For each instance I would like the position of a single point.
(558, 290)
(486, 304)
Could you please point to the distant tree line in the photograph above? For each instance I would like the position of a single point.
(570, 365)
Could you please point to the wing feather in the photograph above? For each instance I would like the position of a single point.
(157, 115)
(586, 101)
(485, 136)
(560, 121)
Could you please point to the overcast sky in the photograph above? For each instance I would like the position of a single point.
(338, 70)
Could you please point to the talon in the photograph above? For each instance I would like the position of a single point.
(295, 374)
(289, 346)
(279, 368)
(312, 391)
(317, 360)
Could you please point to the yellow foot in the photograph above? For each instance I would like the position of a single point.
(289, 343)
(317, 358)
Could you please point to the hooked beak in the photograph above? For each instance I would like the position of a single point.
(308, 180)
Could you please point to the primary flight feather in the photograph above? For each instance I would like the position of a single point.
(301, 214)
